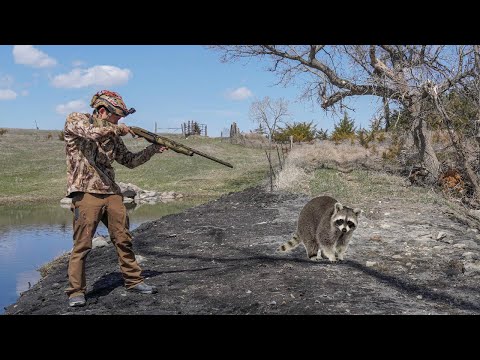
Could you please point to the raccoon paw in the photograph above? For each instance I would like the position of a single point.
(330, 257)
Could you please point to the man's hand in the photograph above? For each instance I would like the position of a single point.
(159, 148)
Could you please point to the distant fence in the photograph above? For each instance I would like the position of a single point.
(194, 128)
(188, 128)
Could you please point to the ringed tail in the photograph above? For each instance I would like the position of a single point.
(290, 244)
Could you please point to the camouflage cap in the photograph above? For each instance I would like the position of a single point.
(112, 101)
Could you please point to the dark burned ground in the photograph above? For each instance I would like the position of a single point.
(219, 258)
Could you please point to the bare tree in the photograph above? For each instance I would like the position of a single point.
(269, 113)
(403, 74)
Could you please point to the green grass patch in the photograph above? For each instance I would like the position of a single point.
(363, 187)
(34, 167)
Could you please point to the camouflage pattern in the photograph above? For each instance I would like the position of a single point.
(91, 146)
(112, 101)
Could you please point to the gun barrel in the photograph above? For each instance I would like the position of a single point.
(211, 158)
(177, 147)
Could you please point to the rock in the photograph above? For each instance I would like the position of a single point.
(454, 267)
(140, 259)
(129, 193)
(468, 255)
(472, 267)
(440, 235)
(99, 242)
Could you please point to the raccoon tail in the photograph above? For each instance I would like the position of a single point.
(290, 244)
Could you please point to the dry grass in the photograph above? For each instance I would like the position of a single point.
(293, 178)
(340, 171)
(251, 140)
(326, 151)
(326, 154)
(304, 158)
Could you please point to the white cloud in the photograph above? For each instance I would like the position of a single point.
(240, 93)
(30, 56)
(7, 94)
(72, 106)
(24, 92)
(100, 75)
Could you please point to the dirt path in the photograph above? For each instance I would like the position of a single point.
(219, 258)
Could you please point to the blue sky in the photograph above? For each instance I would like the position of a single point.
(166, 84)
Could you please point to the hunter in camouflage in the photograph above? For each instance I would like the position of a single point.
(91, 146)
(92, 143)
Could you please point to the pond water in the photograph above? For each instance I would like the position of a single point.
(31, 236)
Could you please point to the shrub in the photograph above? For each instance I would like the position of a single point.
(344, 130)
(381, 136)
(322, 134)
(301, 131)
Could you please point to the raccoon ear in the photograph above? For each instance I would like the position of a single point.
(358, 211)
(338, 206)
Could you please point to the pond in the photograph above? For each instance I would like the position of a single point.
(31, 236)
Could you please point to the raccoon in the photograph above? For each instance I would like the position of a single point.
(325, 228)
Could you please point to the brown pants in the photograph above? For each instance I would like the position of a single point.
(89, 210)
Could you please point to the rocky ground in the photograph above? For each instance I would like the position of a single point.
(219, 258)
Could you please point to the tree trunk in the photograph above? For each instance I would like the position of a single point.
(423, 142)
(461, 151)
(386, 110)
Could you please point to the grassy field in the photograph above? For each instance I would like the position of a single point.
(34, 168)
(359, 187)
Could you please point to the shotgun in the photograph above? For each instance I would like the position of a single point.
(173, 145)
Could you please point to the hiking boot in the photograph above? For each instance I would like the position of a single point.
(78, 300)
(143, 288)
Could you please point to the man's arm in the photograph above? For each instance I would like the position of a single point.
(132, 160)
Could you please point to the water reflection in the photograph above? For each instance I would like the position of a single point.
(31, 236)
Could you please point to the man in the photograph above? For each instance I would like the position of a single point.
(92, 143)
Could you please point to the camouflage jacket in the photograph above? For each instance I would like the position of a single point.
(91, 146)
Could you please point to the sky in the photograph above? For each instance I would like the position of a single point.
(166, 84)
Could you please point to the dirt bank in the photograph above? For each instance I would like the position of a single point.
(219, 258)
